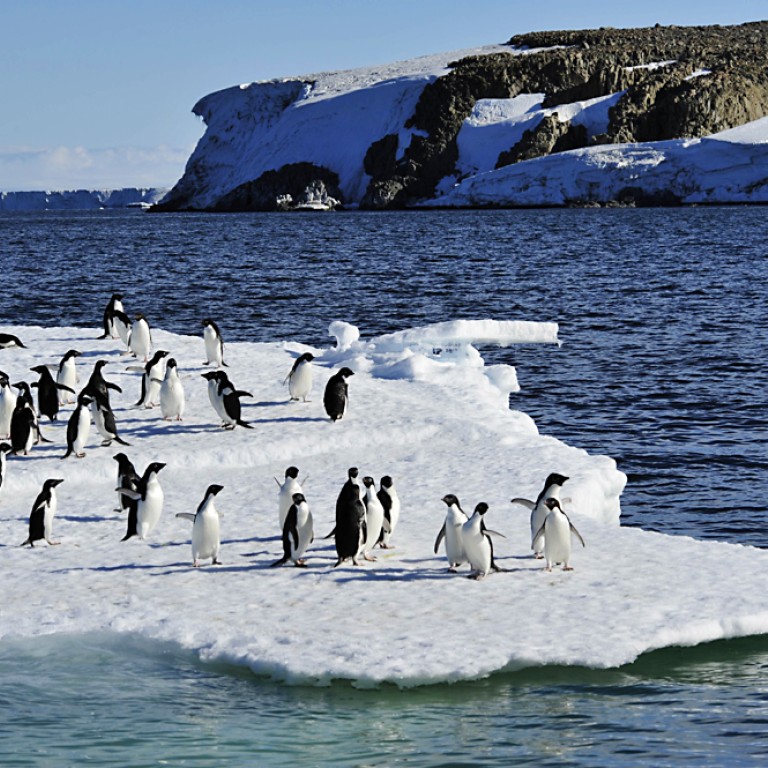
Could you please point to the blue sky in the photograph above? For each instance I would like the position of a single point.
(98, 94)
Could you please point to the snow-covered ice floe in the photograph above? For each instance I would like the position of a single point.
(423, 409)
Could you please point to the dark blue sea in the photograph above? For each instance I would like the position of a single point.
(663, 315)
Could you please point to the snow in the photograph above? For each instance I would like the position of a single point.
(439, 425)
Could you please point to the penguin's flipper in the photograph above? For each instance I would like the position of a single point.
(527, 503)
(576, 533)
(539, 535)
(440, 537)
(130, 493)
(186, 516)
(66, 388)
(239, 393)
(331, 534)
(110, 385)
(490, 532)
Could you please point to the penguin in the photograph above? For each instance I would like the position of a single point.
(8, 340)
(391, 503)
(213, 393)
(79, 427)
(127, 477)
(103, 417)
(98, 385)
(48, 392)
(375, 521)
(67, 376)
(455, 518)
(151, 379)
(41, 516)
(24, 428)
(206, 538)
(288, 489)
(122, 324)
(7, 406)
(229, 399)
(350, 520)
(115, 304)
(140, 338)
(298, 532)
(539, 509)
(477, 543)
(214, 343)
(299, 378)
(336, 395)
(148, 497)
(556, 531)
(5, 449)
(172, 393)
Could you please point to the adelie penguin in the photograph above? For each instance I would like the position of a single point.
(350, 520)
(336, 395)
(114, 305)
(556, 532)
(103, 417)
(98, 385)
(140, 339)
(48, 392)
(226, 399)
(375, 522)
(288, 489)
(299, 378)
(478, 547)
(298, 532)
(539, 509)
(8, 341)
(151, 379)
(8, 398)
(66, 377)
(206, 537)
(79, 427)
(5, 449)
(172, 399)
(214, 343)
(391, 503)
(455, 518)
(41, 516)
(127, 478)
(148, 498)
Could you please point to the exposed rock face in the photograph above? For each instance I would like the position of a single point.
(668, 82)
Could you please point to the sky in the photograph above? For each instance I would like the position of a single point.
(99, 94)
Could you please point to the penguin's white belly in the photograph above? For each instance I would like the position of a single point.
(205, 536)
(216, 400)
(305, 530)
(172, 398)
(300, 382)
(123, 331)
(50, 511)
(149, 511)
(538, 516)
(477, 547)
(285, 499)
(7, 407)
(454, 545)
(83, 430)
(67, 377)
(394, 517)
(557, 544)
(213, 347)
(139, 340)
(152, 393)
(374, 519)
(98, 420)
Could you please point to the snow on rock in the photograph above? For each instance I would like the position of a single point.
(402, 619)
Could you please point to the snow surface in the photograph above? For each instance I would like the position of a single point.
(438, 427)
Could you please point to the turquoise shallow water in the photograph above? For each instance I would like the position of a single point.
(663, 318)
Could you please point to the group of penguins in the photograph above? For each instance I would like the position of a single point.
(365, 517)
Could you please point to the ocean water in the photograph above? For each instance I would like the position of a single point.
(662, 316)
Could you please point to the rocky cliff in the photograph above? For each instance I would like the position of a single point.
(405, 137)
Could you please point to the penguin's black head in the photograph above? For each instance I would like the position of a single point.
(298, 498)
(352, 473)
(449, 499)
(386, 482)
(214, 489)
(5, 448)
(292, 472)
(117, 296)
(552, 503)
(52, 483)
(554, 479)
(99, 365)
(24, 387)
(139, 317)
(307, 357)
(155, 467)
(122, 460)
(368, 482)
(39, 369)
(84, 398)
(72, 353)
(171, 362)
(481, 508)
(346, 372)
(210, 375)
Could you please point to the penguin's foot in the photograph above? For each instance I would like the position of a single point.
(369, 557)
(216, 561)
(386, 546)
(477, 576)
(567, 567)
(538, 555)
(80, 455)
(354, 561)
(301, 563)
(453, 568)
(195, 564)
(53, 543)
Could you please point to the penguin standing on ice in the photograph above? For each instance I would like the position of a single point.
(214, 343)
(206, 538)
(375, 522)
(477, 543)
(151, 379)
(103, 417)
(67, 376)
(172, 393)
(127, 477)
(115, 304)
(140, 339)
(226, 399)
(122, 324)
(8, 400)
(79, 427)
(8, 341)
(556, 531)
(5, 449)
(98, 385)
(336, 395)
(298, 532)
(299, 378)
(41, 516)
(148, 499)
(48, 392)
(288, 489)
(350, 520)
(391, 503)
(455, 518)
(539, 509)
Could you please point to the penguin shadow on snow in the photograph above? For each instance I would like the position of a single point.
(85, 518)
(162, 427)
(367, 573)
